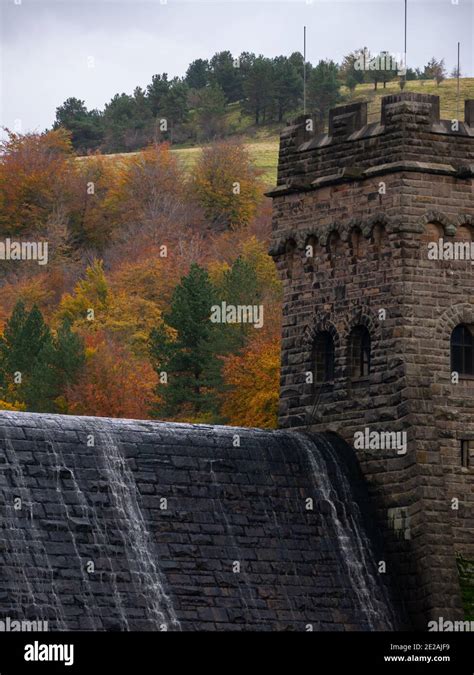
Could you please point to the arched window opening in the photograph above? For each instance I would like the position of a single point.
(432, 232)
(359, 352)
(464, 233)
(379, 239)
(356, 242)
(336, 248)
(462, 350)
(323, 357)
(290, 257)
(310, 254)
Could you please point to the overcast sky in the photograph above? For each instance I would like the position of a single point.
(53, 49)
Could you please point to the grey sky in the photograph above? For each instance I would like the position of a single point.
(93, 49)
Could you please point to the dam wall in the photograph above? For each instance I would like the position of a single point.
(133, 525)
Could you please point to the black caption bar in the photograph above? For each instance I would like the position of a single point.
(144, 652)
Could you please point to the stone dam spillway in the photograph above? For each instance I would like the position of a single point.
(134, 525)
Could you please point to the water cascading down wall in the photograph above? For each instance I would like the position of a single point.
(131, 525)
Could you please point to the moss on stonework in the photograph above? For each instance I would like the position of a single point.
(466, 579)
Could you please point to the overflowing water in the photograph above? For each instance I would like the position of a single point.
(84, 545)
(118, 545)
(349, 532)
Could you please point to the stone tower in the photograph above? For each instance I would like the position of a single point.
(372, 232)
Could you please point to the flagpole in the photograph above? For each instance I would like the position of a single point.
(304, 70)
(458, 83)
(406, 64)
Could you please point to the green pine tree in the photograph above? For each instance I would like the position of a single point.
(24, 337)
(190, 360)
(240, 286)
(56, 367)
(323, 88)
(35, 367)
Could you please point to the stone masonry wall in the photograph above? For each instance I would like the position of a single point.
(367, 199)
(186, 528)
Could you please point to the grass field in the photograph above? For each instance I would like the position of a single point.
(262, 143)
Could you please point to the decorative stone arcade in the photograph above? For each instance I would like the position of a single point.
(373, 324)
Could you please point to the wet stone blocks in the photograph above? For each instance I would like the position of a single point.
(128, 525)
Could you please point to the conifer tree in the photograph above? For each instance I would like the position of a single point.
(189, 360)
(24, 337)
(57, 366)
(35, 366)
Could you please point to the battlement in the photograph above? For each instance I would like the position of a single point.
(410, 136)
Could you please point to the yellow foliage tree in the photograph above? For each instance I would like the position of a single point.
(5, 405)
(225, 182)
(255, 253)
(124, 313)
(90, 293)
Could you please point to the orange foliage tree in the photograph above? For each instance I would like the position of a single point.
(252, 379)
(149, 190)
(33, 168)
(92, 205)
(31, 290)
(114, 383)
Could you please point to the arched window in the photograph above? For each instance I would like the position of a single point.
(323, 357)
(359, 352)
(310, 255)
(462, 350)
(290, 257)
(356, 242)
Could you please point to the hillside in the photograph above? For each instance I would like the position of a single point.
(262, 142)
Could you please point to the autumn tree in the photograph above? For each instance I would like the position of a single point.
(34, 289)
(33, 168)
(150, 197)
(226, 185)
(435, 70)
(90, 299)
(252, 381)
(126, 314)
(113, 383)
(93, 213)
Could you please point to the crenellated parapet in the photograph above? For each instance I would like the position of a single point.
(410, 136)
